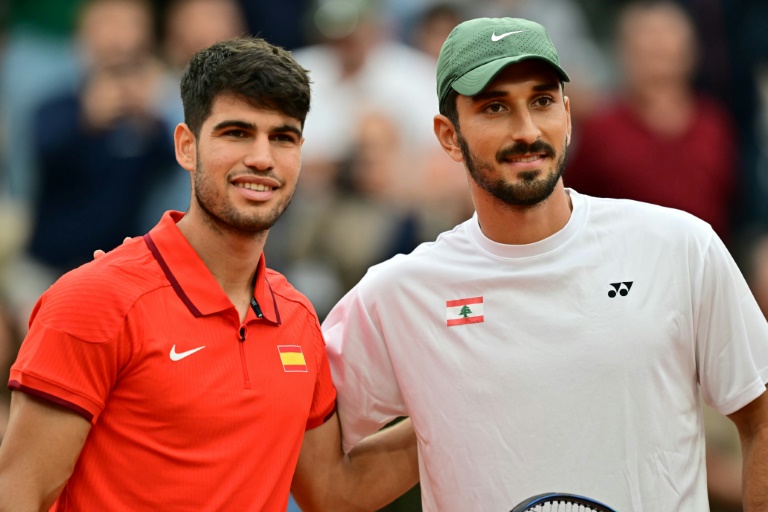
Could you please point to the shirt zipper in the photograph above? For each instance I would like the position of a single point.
(243, 332)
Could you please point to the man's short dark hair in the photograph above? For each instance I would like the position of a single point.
(448, 107)
(263, 74)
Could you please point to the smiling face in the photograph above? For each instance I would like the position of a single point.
(513, 136)
(245, 164)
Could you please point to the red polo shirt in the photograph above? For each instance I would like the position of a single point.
(191, 409)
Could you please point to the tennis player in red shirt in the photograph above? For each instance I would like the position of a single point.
(178, 372)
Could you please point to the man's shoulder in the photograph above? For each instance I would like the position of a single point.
(637, 219)
(283, 289)
(427, 258)
(93, 300)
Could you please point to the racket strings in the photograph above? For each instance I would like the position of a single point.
(561, 506)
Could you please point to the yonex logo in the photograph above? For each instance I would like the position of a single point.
(620, 288)
(499, 37)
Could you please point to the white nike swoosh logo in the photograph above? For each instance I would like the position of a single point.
(495, 38)
(175, 356)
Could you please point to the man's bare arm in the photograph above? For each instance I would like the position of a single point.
(379, 469)
(752, 422)
(38, 453)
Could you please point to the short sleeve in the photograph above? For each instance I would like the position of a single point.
(324, 396)
(732, 335)
(369, 396)
(63, 366)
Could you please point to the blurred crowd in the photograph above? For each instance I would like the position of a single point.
(669, 103)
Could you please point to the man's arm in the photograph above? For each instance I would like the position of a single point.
(38, 453)
(379, 469)
(752, 422)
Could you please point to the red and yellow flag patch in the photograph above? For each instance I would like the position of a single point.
(292, 358)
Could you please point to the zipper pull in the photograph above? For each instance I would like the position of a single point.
(243, 332)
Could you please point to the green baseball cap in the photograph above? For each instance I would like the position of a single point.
(478, 49)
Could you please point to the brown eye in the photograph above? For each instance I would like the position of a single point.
(284, 137)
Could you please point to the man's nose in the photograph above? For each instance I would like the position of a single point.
(524, 128)
(259, 156)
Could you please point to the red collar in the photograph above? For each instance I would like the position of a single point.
(191, 279)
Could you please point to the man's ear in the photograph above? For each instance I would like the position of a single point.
(447, 136)
(567, 101)
(186, 151)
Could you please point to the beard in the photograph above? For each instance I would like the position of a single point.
(222, 215)
(532, 190)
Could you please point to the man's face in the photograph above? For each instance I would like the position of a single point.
(247, 165)
(514, 134)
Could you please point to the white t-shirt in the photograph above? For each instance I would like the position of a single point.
(573, 364)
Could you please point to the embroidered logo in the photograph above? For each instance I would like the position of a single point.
(499, 37)
(292, 358)
(620, 288)
(464, 311)
(178, 356)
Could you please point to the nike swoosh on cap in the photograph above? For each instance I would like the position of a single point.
(178, 356)
(499, 37)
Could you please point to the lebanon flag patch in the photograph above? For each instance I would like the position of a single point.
(464, 311)
(292, 358)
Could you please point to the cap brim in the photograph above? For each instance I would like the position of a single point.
(477, 79)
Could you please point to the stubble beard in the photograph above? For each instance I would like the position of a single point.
(532, 191)
(222, 216)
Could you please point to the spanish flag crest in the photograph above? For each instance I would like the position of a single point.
(292, 358)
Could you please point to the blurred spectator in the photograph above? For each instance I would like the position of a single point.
(97, 148)
(37, 59)
(734, 48)
(283, 23)
(188, 26)
(432, 25)
(358, 69)
(751, 253)
(659, 141)
(367, 155)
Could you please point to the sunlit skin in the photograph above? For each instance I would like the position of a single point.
(515, 134)
(244, 165)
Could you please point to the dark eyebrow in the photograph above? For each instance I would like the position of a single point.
(547, 86)
(232, 123)
(488, 95)
(491, 94)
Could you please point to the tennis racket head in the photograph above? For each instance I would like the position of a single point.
(560, 502)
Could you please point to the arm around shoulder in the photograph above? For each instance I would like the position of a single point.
(752, 423)
(38, 453)
(379, 469)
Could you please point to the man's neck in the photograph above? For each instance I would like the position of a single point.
(522, 225)
(231, 257)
